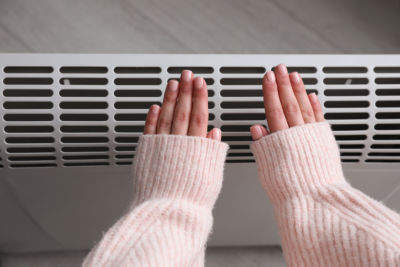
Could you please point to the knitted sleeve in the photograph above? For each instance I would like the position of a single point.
(322, 220)
(176, 180)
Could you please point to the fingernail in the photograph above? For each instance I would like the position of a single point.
(154, 109)
(198, 83)
(256, 132)
(296, 77)
(186, 76)
(271, 76)
(173, 85)
(282, 69)
(313, 97)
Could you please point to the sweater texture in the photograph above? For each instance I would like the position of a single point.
(322, 220)
(176, 181)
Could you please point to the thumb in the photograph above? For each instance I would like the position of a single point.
(215, 134)
(257, 131)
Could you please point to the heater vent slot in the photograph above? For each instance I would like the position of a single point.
(83, 81)
(28, 117)
(28, 81)
(137, 93)
(242, 93)
(387, 69)
(345, 69)
(387, 92)
(60, 111)
(83, 93)
(29, 129)
(242, 70)
(347, 81)
(28, 69)
(30, 149)
(137, 81)
(83, 69)
(346, 92)
(137, 70)
(387, 80)
(241, 81)
(85, 149)
(27, 92)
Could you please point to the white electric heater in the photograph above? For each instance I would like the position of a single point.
(70, 124)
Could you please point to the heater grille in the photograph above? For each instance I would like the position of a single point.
(88, 110)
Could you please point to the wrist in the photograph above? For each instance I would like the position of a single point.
(298, 160)
(178, 167)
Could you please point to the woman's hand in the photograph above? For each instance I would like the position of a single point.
(286, 102)
(184, 110)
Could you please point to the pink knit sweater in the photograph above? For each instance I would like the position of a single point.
(322, 220)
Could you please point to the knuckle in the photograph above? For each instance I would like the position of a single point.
(202, 102)
(200, 119)
(291, 107)
(299, 89)
(200, 95)
(150, 118)
(169, 97)
(173, 83)
(182, 116)
(308, 114)
(185, 88)
(275, 112)
(150, 123)
(316, 107)
(164, 124)
(270, 87)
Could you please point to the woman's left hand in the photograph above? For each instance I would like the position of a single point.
(286, 103)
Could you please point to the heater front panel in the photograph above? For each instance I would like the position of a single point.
(89, 110)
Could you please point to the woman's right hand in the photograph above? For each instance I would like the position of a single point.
(286, 102)
(184, 110)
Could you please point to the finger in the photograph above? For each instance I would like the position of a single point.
(316, 105)
(180, 122)
(214, 134)
(302, 98)
(199, 114)
(151, 120)
(273, 109)
(167, 111)
(288, 100)
(258, 131)
(264, 131)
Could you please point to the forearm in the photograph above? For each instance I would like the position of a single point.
(176, 182)
(323, 221)
(297, 161)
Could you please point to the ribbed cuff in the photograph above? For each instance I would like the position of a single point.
(298, 160)
(178, 167)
